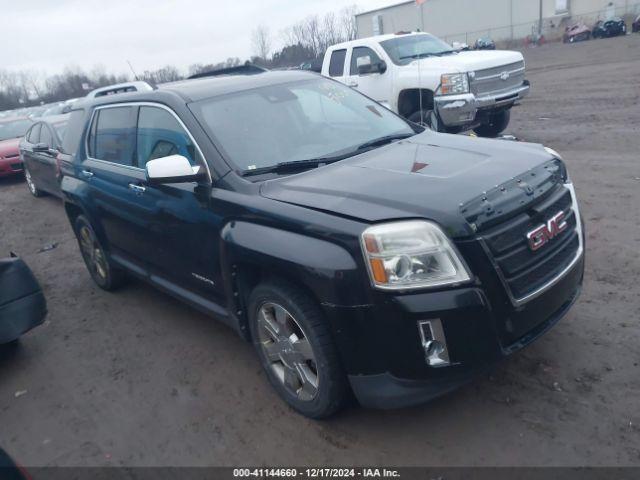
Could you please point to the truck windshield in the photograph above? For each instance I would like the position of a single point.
(296, 122)
(405, 49)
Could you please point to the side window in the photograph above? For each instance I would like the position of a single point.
(73, 135)
(112, 136)
(359, 52)
(336, 64)
(45, 136)
(34, 134)
(161, 135)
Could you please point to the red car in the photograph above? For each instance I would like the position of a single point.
(11, 131)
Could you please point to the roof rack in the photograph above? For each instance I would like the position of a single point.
(246, 69)
(138, 86)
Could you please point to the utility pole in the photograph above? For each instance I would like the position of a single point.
(540, 21)
(422, 17)
(511, 15)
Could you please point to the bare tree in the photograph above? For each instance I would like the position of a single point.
(261, 42)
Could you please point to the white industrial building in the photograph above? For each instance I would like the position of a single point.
(502, 20)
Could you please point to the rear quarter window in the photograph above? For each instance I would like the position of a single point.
(336, 64)
(74, 130)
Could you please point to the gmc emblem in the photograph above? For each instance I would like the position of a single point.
(541, 235)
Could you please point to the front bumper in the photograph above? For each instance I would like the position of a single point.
(383, 355)
(461, 110)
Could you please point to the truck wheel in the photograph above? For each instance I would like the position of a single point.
(31, 184)
(426, 118)
(496, 125)
(296, 349)
(102, 270)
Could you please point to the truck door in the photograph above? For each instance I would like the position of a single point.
(337, 65)
(375, 81)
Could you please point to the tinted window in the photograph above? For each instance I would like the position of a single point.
(113, 135)
(336, 65)
(362, 52)
(73, 134)
(34, 134)
(161, 135)
(45, 136)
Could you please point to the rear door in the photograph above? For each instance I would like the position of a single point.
(337, 61)
(47, 161)
(110, 172)
(31, 139)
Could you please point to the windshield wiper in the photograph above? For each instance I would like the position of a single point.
(378, 142)
(295, 165)
(298, 165)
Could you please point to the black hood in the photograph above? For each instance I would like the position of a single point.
(454, 180)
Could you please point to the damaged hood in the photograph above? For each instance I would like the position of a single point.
(445, 178)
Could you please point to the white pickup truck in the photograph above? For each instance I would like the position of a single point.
(423, 79)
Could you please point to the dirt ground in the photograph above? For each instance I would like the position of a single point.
(137, 378)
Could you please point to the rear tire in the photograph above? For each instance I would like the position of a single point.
(498, 122)
(102, 270)
(296, 349)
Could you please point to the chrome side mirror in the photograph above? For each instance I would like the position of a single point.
(172, 169)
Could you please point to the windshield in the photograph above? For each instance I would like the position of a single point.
(15, 129)
(294, 122)
(405, 49)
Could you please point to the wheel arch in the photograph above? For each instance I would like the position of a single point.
(329, 275)
(409, 100)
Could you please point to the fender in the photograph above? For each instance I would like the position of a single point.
(325, 268)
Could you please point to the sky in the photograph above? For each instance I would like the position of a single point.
(48, 35)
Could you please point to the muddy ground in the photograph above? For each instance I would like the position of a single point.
(137, 378)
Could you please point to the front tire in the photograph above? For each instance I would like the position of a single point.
(31, 184)
(426, 118)
(296, 349)
(102, 271)
(497, 123)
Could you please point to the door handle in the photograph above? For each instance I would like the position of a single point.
(87, 173)
(138, 189)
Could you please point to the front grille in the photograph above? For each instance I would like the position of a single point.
(16, 167)
(523, 270)
(497, 80)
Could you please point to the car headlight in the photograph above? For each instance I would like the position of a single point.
(411, 254)
(454, 83)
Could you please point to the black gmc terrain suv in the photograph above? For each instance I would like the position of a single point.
(356, 251)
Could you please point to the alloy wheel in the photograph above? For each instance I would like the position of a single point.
(92, 252)
(30, 184)
(288, 351)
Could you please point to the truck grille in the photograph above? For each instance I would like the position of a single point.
(497, 80)
(525, 271)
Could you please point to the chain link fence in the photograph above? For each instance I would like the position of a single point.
(553, 28)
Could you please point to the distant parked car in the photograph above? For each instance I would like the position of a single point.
(635, 26)
(460, 46)
(39, 150)
(609, 28)
(11, 131)
(576, 33)
(22, 303)
(485, 43)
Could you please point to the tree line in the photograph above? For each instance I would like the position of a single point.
(302, 43)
